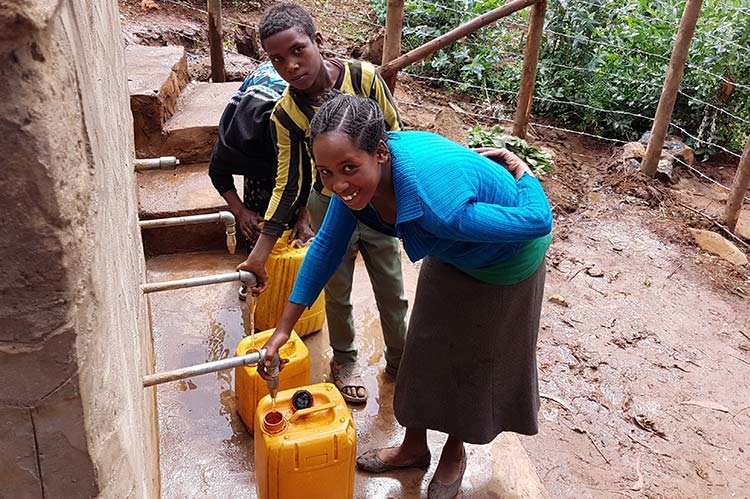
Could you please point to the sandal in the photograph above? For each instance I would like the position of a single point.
(346, 376)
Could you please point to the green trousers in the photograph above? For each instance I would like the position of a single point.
(382, 258)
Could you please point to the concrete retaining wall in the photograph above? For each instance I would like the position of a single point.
(74, 327)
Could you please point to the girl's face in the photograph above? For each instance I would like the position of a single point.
(349, 172)
(296, 57)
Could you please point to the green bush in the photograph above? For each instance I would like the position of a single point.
(602, 63)
(539, 161)
(624, 48)
(482, 59)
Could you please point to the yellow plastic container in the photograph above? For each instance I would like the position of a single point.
(282, 265)
(249, 387)
(306, 453)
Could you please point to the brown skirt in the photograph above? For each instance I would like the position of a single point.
(469, 363)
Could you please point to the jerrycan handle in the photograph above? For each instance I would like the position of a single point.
(311, 410)
(289, 347)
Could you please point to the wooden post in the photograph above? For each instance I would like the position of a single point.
(215, 43)
(446, 39)
(528, 75)
(739, 187)
(394, 23)
(671, 86)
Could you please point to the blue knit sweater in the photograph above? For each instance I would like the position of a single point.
(451, 203)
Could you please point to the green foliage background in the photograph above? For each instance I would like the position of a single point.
(602, 63)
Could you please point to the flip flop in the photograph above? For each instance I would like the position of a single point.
(370, 462)
(345, 375)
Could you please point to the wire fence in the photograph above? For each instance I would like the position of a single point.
(708, 108)
(488, 97)
(489, 118)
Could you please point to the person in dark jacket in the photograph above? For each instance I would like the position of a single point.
(245, 147)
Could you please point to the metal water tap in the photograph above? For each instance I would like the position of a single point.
(229, 222)
(225, 217)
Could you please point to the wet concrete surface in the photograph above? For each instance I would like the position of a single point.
(205, 448)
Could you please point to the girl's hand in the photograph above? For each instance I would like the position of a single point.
(272, 346)
(515, 165)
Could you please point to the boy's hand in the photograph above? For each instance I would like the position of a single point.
(301, 230)
(259, 269)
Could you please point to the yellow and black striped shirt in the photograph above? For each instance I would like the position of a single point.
(290, 131)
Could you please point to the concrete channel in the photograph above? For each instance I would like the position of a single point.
(205, 448)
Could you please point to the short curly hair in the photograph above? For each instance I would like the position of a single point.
(283, 16)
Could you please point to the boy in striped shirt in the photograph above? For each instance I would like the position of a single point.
(295, 49)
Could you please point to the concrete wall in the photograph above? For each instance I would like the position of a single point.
(74, 327)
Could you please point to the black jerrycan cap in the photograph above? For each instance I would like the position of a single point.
(302, 399)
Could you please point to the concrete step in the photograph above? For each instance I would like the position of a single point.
(186, 190)
(190, 134)
(156, 77)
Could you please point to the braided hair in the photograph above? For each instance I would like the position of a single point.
(360, 118)
(283, 16)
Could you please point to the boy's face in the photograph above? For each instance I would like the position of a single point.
(297, 58)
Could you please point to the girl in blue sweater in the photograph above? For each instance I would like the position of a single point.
(469, 364)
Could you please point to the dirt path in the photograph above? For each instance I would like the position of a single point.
(644, 353)
(645, 368)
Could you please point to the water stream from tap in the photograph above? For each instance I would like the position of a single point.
(248, 316)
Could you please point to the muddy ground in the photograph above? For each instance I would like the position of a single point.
(644, 352)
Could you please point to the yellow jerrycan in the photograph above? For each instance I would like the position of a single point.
(306, 446)
(250, 388)
(282, 265)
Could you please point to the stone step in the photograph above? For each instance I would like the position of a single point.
(186, 190)
(156, 77)
(190, 134)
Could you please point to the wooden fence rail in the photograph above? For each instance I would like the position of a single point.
(671, 86)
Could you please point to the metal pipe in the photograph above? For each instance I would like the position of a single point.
(246, 277)
(208, 367)
(226, 217)
(162, 163)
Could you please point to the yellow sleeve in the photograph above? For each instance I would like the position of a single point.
(291, 176)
